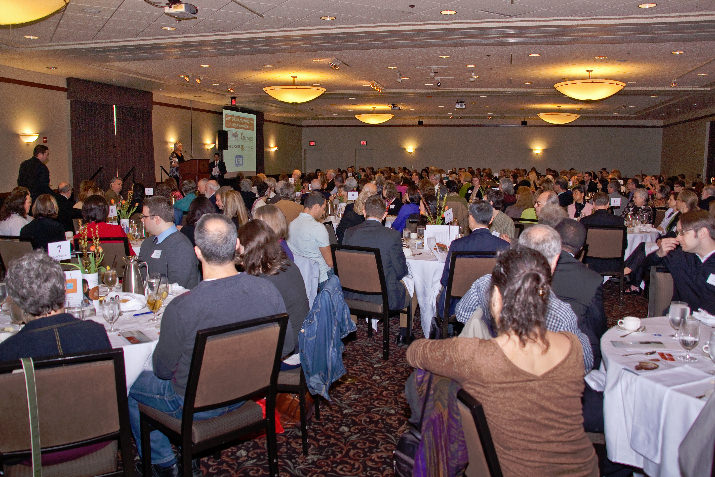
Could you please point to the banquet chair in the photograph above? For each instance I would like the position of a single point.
(13, 247)
(483, 459)
(660, 291)
(230, 364)
(464, 269)
(606, 247)
(293, 381)
(360, 271)
(659, 215)
(331, 232)
(115, 248)
(81, 401)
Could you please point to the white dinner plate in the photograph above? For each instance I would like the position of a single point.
(130, 301)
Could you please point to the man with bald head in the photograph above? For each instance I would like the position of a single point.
(65, 204)
(212, 187)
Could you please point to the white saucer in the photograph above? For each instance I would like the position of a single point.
(638, 330)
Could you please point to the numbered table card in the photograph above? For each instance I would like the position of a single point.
(352, 195)
(448, 216)
(59, 250)
(148, 191)
(73, 288)
(615, 201)
(112, 211)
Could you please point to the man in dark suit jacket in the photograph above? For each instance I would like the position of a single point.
(371, 233)
(561, 187)
(217, 168)
(480, 240)
(34, 174)
(601, 217)
(65, 203)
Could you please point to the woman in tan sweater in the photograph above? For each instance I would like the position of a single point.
(528, 379)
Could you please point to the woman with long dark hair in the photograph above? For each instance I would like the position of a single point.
(14, 212)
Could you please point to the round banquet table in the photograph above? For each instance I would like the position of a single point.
(425, 271)
(635, 238)
(648, 412)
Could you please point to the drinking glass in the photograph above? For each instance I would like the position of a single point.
(420, 232)
(110, 312)
(3, 293)
(110, 278)
(153, 295)
(689, 337)
(103, 292)
(677, 313)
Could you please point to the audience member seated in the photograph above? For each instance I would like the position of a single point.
(262, 196)
(308, 237)
(233, 207)
(371, 233)
(213, 302)
(561, 187)
(65, 203)
(690, 260)
(275, 219)
(617, 201)
(290, 208)
(199, 207)
(94, 214)
(353, 214)
(392, 198)
(528, 378)
(44, 228)
(708, 198)
(211, 188)
(601, 217)
(524, 201)
(14, 212)
(480, 240)
(670, 219)
(168, 252)
(580, 208)
(260, 255)
(181, 206)
(559, 315)
(639, 207)
(86, 188)
(412, 207)
(113, 194)
(501, 225)
(458, 205)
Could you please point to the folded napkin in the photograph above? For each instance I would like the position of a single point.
(596, 380)
(176, 289)
(651, 393)
(704, 317)
(409, 283)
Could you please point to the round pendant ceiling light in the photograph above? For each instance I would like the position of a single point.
(374, 118)
(294, 93)
(591, 89)
(18, 12)
(559, 118)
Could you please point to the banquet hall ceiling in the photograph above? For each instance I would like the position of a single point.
(484, 55)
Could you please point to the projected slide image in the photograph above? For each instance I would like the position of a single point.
(241, 153)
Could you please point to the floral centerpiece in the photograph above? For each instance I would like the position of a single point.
(90, 252)
(126, 208)
(438, 217)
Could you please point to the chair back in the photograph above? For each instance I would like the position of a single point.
(464, 269)
(606, 242)
(115, 248)
(359, 268)
(232, 362)
(12, 248)
(659, 215)
(81, 399)
(332, 237)
(483, 458)
(660, 291)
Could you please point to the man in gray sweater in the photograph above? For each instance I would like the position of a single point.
(168, 252)
(223, 297)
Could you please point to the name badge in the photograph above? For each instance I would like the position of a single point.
(156, 254)
(711, 279)
(615, 201)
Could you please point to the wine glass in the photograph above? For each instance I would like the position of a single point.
(677, 313)
(689, 337)
(110, 278)
(110, 312)
(153, 295)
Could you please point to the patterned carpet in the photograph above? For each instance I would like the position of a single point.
(359, 429)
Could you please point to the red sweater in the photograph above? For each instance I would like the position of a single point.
(106, 230)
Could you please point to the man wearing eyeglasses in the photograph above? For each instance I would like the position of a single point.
(690, 260)
(168, 252)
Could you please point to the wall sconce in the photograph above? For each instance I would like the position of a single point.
(272, 148)
(29, 137)
(410, 149)
(537, 150)
(209, 145)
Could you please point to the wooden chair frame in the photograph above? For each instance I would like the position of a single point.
(485, 436)
(620, 258)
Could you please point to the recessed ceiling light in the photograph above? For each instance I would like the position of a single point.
(490, 113)
(350, 110)
(448, 12)
(470, 66)
(631, 106)
(534, 54)
(168, 28)
(444, 56)
(351, 98)
(677, 52)
(528, 82)
(392, 67)
(268, 66)
(412, 109)
(647, 5)
(214, 84)
(368, 85)
(702, 74)
(482, 96)
(601, 57)
(230, 90)
(404, 77)
(31, 37)
(429, 84)
(316, 84)
(51, 67)
(205, 66)
(653, 95)
(327, 18)
(440, 106)
(335, 114)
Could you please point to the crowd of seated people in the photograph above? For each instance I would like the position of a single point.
(542, 328)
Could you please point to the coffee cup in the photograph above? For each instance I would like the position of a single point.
(630, 323)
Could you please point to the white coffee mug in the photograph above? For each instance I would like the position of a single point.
(709, 347)
(630, 323)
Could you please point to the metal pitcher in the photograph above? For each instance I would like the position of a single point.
(133, 281)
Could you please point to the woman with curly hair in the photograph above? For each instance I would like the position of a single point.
(13, 213)
(528, 379)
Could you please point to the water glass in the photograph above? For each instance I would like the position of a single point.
(110, 278)
(677, 313)
(110, 312)
(689, 338)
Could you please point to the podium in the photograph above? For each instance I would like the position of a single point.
(195, 169)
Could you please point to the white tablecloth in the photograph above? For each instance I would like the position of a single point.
(647, 413)
(425, 271)
(636, 238)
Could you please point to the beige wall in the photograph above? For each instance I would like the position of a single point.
(289, 153)
(631, 150)
(684, 147)
(42, 111)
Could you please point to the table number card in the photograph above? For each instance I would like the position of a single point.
(73, 288)
(448, 216)
(112, 211)
(59, 250)
(615, 201)
(352, 195)
(148, 191)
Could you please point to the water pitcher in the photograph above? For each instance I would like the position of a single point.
(133, 282)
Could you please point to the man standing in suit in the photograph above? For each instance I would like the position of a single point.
(34, 173)
(561, 187)
(217, 168)
(373, 234)
(480, 240)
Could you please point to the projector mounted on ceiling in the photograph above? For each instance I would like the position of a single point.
(176, 9)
